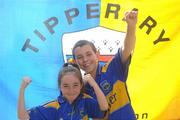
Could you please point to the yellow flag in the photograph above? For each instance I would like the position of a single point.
(154, 76)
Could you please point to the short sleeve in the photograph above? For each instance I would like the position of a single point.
(43, 113)
(117, 68)
(93, 109)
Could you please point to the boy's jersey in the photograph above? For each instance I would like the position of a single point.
(112, 80)
(84, 107)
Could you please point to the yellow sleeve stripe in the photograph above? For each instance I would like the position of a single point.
(86, 117)
(86, 95)
(104, 68)
(54, 104)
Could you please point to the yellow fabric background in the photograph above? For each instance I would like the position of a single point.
(154, 76)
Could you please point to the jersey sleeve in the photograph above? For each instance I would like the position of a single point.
(93, 109)
(43, 113)
(117, 68)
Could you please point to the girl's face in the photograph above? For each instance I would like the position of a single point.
(70, 87)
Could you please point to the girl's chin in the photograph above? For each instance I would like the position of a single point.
(71, 99)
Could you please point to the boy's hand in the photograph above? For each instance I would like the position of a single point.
(131, 17)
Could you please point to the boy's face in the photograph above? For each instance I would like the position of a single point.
(86, 58)
(70, 87)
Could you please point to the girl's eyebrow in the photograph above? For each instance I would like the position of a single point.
(65, 84)
(76, 83)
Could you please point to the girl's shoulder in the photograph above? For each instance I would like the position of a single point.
(53, 104)
(86, 96)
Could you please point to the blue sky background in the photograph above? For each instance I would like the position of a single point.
(19, 18)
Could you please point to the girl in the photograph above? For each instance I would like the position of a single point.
(73, 104)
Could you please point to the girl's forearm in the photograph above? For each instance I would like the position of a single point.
(100, 98)
(22, 113)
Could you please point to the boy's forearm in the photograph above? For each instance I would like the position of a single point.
(129, 43)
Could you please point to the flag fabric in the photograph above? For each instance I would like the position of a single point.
(37, 37)
(154, 77)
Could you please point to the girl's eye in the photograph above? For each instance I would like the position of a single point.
(76, 85)
(65, 86)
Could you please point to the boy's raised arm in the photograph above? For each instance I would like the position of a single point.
(130, 39)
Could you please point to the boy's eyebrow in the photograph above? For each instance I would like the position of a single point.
(88, 52)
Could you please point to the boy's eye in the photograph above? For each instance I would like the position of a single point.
(78, 57)
(89, 54)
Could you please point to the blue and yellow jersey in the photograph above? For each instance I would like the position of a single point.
(111, 78)
(84, 107)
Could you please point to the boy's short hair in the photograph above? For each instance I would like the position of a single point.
(81, 43)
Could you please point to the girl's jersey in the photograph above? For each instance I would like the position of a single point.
(84, 107)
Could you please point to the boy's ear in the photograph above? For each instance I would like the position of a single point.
(98, 54)
(71, 60)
